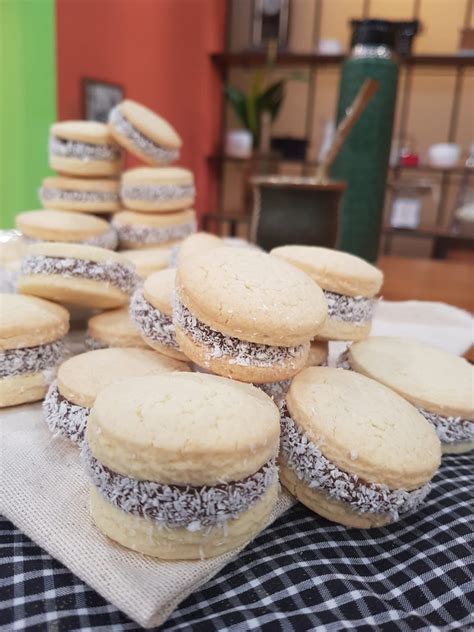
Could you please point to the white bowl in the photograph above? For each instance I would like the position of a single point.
(444, 155)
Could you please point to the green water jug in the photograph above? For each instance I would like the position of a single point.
(363, 160)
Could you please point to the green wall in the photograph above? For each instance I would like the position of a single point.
(27, 101)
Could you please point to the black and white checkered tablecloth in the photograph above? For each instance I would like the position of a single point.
(303, 573)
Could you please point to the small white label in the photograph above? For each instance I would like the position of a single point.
(406, 213)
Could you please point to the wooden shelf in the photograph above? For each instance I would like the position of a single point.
(221, 157)
(254, 58)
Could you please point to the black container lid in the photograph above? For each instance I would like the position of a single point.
(373, 32)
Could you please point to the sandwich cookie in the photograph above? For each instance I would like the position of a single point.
(137, 230)
(195, 244)
(148, 260)
(243, 314)
(80, 194)
(151, 309)
(85, 276)
(79, 228)
(112, 328)
(182, 465)
(157, 190)
(350, 285)
(438, 384)
(69, 399)
(144, 133)
(354, 451)
(31, 345)
(83, 148)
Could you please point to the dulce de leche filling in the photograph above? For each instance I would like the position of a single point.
(147, 146)
(237, 351)
(117, 274)
(152, 323)
(85, 152)
(449, 429)
(352, 309)
(306, 460)
(174, 506)
(63, 417)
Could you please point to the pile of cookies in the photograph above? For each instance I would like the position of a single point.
(92, 202)
(206, 383)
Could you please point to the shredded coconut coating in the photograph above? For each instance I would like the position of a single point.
(311, 466)
(353, 309)
(450, 429)
(110, 272)
(237, 351)
(174, 506)
(157, 192)
(63, 417)
(152, 323)
(147, 146)
(92, 344)
(276, 390)
(127, 233)
(47, 194)
(31, 359)
(83, 151)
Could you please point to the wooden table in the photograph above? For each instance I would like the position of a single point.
(428, 280)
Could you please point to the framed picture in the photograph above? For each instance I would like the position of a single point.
(270, 22)
(99, 98)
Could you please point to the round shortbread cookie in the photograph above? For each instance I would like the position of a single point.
(85, 195)
(158, 290)
(180, 543)
(184, 429)
(83, 377)
(252, 296)
(144, 133)
(426, 376)
(113, 328)
(28, 321)
(148, 260)
(197, 244)
(23, 389)
(334, 270)
(164, 189)
(53, 225)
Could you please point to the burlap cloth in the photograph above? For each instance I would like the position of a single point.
(44, 492)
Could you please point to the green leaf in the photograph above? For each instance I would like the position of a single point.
(238, 102)
(272, 99)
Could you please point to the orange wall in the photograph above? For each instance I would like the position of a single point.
(158, 50)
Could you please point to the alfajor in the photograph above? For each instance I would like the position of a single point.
(440, 385)
(161, 190)
(112, 328)
(76, 274)
(86, 195)
(151, 310)
(354, 451)
(350, 286)
(148, 260)
(67, 404)
(196, 244)
(243, 314)
(182, 465)
(139, 230)
(83, 148)
(144, 133)
(78, 228)
(31, 345)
